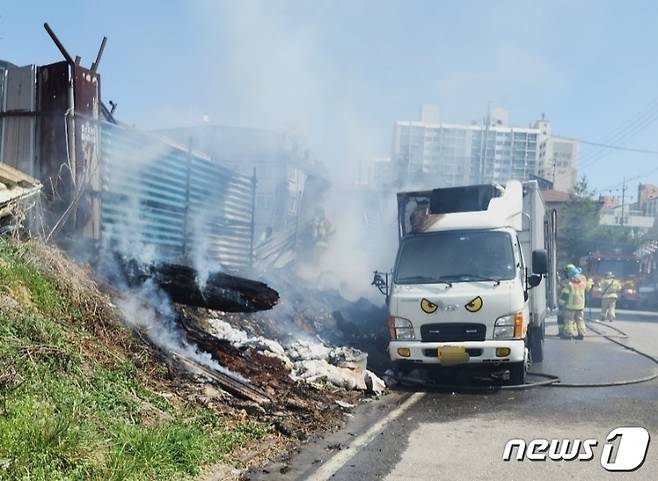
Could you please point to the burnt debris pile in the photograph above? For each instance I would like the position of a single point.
(287, 358)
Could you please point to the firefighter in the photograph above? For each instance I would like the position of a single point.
(322, 230)
(563, 298)
(610, 288)
(576, 288)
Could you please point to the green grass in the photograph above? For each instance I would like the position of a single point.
(65, 415)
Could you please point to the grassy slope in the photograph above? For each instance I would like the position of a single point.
(74, 405)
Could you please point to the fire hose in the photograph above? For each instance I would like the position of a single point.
(551, 380)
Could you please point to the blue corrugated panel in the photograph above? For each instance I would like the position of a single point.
(181, 204)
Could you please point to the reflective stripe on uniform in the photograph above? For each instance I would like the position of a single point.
(610, 288)
(576, 289)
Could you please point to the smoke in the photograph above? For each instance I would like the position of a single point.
(364, 239)
(127, 231)
(274, 76)
(139, 232)
(139, 311)
(277, 75)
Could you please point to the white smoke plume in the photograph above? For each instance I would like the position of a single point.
(139, 311)
(146, 307)
(276, 75)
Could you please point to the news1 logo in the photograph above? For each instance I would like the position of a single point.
(628, 455)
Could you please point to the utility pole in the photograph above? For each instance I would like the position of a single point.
(623, 200)
(485, 140)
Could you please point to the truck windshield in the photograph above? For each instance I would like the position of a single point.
(619, 267)
(455, 256)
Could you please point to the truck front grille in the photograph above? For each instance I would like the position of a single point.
(472, 352)
(452, 332)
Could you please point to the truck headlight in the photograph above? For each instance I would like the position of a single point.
(400, 329)
(509, 327)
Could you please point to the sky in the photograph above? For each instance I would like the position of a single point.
(340, 73)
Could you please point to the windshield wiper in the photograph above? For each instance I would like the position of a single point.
(473, 277)
(425, 279)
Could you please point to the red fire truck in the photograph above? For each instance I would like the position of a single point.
(625, 267)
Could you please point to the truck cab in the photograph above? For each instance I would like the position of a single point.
(626, 268)
(461, 291)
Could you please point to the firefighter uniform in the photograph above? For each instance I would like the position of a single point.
(610, 288)
(322, 231)
(575, 305)
(563, 298)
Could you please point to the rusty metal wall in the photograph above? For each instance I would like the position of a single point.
(3, 83)
(18, 106)
(86, 85)
(179, 204)
(53, 82)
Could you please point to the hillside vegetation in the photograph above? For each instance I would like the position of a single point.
(80, 397)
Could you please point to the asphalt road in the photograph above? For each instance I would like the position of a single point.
(429, 435)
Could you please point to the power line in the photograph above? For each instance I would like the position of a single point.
(629, 124)
(615, 147)
(625, 132)
(632, 123)
(635, 177)
(602, 152)
(609, 146)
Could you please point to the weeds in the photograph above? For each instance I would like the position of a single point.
(70, 411)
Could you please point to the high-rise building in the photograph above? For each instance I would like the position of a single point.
(646, 192)
(557, 158)
(435, 154)
(651, 207)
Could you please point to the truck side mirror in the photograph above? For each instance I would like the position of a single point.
(381, 282)
(539, 262)
(534, 280)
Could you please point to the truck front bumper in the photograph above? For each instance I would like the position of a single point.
(479, 352)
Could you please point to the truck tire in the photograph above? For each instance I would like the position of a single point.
(536, 343)
(517, 373)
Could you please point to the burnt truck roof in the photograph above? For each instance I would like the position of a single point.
(469, 207)
(470, 198)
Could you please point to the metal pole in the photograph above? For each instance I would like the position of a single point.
(94, 66)
(186, 221)
(253, 220)
(59, 44)
(623, 200)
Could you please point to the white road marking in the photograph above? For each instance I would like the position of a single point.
(342, 457)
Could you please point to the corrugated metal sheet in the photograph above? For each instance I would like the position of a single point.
(15, 187)
(178, 203)
(3, 82)
(19, 131)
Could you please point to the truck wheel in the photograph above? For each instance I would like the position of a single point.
(517, 373)
(536, 343)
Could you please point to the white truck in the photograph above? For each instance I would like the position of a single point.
(467, 283)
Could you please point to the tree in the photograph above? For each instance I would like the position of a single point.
(578, 219)
(579, 232)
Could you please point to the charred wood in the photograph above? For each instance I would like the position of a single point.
(220, 291)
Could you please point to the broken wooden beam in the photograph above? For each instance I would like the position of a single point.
(220, 291)
(229, 383)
